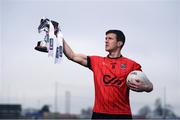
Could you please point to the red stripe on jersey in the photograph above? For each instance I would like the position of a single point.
(111, 91)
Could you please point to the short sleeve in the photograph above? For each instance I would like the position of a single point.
(137, 66)
(93, 62)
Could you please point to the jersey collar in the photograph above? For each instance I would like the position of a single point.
(115, 57)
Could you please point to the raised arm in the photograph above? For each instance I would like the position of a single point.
(71, 55)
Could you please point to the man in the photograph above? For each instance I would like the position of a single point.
(111, 91)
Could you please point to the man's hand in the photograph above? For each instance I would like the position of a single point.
(140, 86)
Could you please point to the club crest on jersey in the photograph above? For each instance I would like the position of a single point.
(123, 66)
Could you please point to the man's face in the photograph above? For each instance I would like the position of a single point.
(111, 43)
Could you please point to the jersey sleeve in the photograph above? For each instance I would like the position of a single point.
(137, 66)
(92, 62)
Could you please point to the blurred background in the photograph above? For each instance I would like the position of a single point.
(32, 86)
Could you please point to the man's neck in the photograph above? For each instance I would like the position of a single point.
(114, 54)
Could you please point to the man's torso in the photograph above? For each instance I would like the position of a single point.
(111, 91)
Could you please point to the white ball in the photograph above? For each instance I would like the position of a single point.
(137, 75)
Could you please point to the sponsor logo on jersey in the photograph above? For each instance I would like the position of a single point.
(111, 80)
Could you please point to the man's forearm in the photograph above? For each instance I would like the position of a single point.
(68, 52)
(71, 55)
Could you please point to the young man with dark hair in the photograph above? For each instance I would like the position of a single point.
(110, 73)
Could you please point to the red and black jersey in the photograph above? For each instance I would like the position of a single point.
(111, 91)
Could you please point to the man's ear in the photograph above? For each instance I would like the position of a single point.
(120, 43)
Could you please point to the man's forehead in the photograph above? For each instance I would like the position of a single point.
(111, 35)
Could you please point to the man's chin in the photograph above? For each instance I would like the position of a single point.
(107, 50)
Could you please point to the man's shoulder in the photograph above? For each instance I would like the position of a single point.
(136, 65)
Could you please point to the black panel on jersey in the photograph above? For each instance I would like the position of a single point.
(88, 62)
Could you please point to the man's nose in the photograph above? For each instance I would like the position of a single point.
(106, 40)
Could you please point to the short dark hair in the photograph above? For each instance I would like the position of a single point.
(119, 34)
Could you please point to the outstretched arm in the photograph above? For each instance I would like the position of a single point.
(71, 55)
